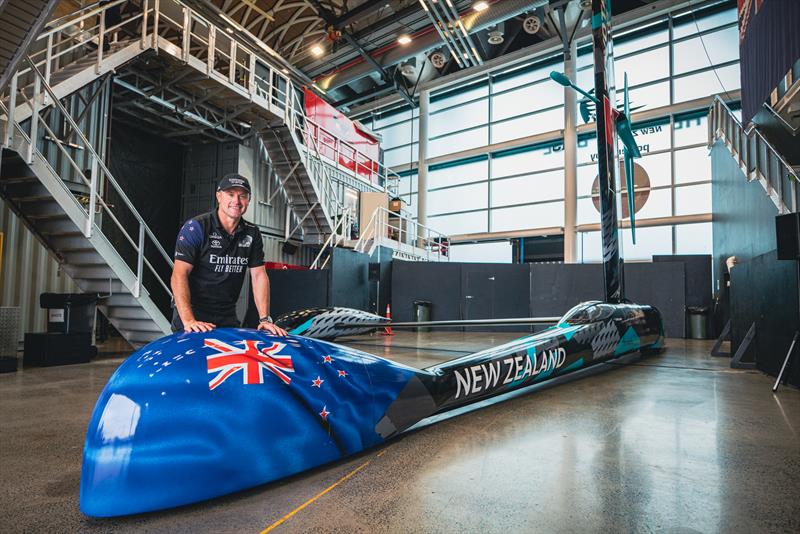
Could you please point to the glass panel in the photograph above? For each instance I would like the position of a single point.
(690, 24)
(391, 117)
(401, 156)
(587, 149)
(692, 165)
(649, 97)
(623, 46)
(641, 68)
(651, 138)
(458, 141)
(548, 157)
(707, 83)
(693, 239)
(525, 217)
(545, 121)
(586, 176)
(464, 198)
(649, 241)
(527, 99)
(411, 204)
(587, 213)
(531, 188)
(691, 131)
(458, 97)
(500, 252)
(658, 168)
(399, 134)
(503, 83)
(459, 118)
(460, 223)
(458, 174)
(658, 204)
(692, 199)
(407, 184)
(585, 78)
(590, 247)
(711, 49)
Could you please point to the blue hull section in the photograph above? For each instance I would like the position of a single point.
(195, 416)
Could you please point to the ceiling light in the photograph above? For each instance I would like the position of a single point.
(480, 6)
(285, 70)
(317, 50)
(229, 30)
(404, 39)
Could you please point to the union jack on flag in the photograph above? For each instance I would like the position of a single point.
(248, 359)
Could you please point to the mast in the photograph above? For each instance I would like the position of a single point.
(608, 168)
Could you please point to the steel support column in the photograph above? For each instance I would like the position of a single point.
(570, 158)
(422, 169)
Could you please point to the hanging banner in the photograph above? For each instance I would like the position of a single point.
(769, 44)
(339, 139)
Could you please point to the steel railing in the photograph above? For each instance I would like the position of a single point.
(340, 233)
(404, 235)
(171, 24)
(757, 158)
(96, 202)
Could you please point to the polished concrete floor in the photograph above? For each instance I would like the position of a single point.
(672, 443)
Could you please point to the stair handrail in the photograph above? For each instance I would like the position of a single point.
(343, 225)
(425, 242)
(94, 197)
(722, 121)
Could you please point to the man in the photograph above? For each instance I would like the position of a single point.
(211, 255)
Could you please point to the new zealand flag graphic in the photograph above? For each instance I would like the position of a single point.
(193, 416)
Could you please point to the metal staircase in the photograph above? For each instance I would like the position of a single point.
(72, 215)
(21, 20)
(757, 159)
(68, 218)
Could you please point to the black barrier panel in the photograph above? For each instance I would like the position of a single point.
(349, 287)
(697, 271)
(764, 291)
(662, 285)
(438, 283)
(557, 287)
(380, 292)
(495, 291)
(296, 289)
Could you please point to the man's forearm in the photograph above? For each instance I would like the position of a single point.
(183, 298)
(261, 294)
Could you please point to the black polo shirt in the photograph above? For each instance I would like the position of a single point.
(220, 260)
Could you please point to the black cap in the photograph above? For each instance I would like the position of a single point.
(233, 180)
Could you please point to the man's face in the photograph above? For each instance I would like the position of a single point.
(233, 201)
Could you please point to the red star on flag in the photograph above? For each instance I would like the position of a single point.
(324, 413)
(327, 359)
(342, 373)
(317, 383)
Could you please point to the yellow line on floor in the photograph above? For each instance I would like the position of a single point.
(321, 493)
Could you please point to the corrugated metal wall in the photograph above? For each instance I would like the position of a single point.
(27, 270)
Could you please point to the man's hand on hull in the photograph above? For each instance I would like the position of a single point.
(199, 326)
(272, 329)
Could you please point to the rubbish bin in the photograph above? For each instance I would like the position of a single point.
(9, 338)
(422, 313)
(69, 313)
(698, 322)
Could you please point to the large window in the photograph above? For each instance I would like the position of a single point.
(676, 59)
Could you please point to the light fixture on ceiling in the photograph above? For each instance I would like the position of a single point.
(480, 6)
(495, 36)
(229, 29)
(438, 60)
(407, 70)
(586, 4)
(317, 50)
(404, 39)
(531, 24)
(285, 70)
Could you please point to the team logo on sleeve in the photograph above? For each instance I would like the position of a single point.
(247, 241)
